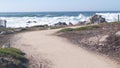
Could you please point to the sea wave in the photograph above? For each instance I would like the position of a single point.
(110, 17)
(16, 22)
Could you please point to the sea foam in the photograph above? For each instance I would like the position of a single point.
(110, 17)
(16, 22)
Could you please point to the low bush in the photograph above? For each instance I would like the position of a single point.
(80, 28)
(12, 58)
(66, 29)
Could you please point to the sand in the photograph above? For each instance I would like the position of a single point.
(48, 50)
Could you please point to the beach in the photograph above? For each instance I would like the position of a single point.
(45, 49)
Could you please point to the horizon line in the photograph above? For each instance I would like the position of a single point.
(63, 11)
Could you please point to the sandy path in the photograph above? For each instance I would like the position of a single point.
(41, 45)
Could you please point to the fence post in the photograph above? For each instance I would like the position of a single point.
(118, 18)
(5, 23)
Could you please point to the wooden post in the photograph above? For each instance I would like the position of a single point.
(5, 23)
(118, 18)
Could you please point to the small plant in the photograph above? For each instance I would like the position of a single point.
(66, 29)
(80, 28)
(12, 52)
(5, 29)
(12, 58)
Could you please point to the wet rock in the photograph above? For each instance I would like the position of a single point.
(96, 19)
(61, 24)
(29, 22)
(70, 23)
(35, 21)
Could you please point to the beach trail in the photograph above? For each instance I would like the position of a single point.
(47, 50)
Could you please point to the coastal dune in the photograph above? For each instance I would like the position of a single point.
(46, 50)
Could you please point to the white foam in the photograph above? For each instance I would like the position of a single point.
(15, 22)
(110, 17)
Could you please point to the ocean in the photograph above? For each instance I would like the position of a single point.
(20, 19)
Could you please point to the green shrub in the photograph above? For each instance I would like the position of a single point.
(12, 52)
(87, 28)
(66, 29)
(5, 29)
(80, 28)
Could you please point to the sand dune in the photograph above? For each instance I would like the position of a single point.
(44, 48)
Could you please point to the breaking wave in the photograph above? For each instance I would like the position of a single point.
(110, 17)
(15, 22)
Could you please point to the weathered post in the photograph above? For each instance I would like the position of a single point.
(5, 23)
(118, 17)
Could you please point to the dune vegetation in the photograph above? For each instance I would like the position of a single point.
(102, 38)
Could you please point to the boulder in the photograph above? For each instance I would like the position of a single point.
(70, 23)
(18, 30)
(6, 32)
(118, 33)
(96, 19)
(29, 22)
(60, 24)
(3, 32)
(35, 21)
(6, 45)
(10, 31)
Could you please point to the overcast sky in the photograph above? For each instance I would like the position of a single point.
(58, 5)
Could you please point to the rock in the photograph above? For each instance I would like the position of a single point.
(81, 23)
(29, 22)
(17, 30)
(6, 45)
(6, 32)
(35, 21)
(8, 62)
(10, 32)
(60, 24)
(3, 32)
(96, 19)
(104, 38)
(70, 23)
(118, 33)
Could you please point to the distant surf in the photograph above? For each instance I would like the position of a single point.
(20, 19)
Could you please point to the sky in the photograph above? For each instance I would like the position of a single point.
(58, 5)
